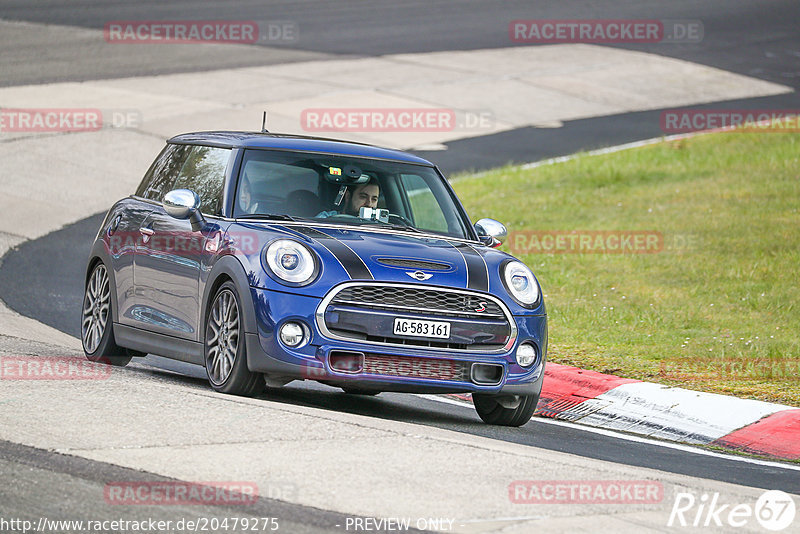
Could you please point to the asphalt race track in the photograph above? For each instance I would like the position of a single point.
(756, 39)
(61, 482)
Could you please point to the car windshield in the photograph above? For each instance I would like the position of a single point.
(402, 196)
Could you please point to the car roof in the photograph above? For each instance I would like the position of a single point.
(294, 142)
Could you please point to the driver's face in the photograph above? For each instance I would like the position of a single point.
(245, 196)
(364, 196)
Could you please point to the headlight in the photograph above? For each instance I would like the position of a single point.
(291, 261)
(520, 283)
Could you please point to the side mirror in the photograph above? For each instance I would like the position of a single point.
(491, 232)
(184, 204)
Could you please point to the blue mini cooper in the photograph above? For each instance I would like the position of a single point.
(270, 258)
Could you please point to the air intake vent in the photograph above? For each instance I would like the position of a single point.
(414, 264)
(411, 367)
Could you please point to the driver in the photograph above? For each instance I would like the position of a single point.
(246, 195)
(357, 197)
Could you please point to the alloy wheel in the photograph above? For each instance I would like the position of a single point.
(96, 305)
(222, 337)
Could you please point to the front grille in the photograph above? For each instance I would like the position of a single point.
(435, 301)
(368, 313)
(410, 367)
(414, 264)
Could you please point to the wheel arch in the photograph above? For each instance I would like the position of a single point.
(99, 254)
(228, 268)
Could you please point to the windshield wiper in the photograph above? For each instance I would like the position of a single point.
(403, 227)
(273, 216)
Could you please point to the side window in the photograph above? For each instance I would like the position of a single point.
(276, 187)
(425, 208)
(159, 178)
(204, 173)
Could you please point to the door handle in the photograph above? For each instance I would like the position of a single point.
(147, 233)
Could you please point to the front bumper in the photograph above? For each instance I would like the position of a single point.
(388, 368)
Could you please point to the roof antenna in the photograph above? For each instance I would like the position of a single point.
(264, 124)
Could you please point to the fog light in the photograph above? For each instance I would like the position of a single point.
(292, 334)
(526, 355)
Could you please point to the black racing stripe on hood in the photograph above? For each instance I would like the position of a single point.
(352, 262)
(477, 271)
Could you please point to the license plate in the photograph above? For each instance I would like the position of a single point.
(418, 328)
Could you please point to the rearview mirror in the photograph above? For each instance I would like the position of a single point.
(492, 233)
(347, 175)
(184, 204)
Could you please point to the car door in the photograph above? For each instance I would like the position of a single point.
(171, 256)
(123, 229)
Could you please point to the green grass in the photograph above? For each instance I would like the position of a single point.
(716, 310)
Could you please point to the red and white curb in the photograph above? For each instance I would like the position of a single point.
(669, 413)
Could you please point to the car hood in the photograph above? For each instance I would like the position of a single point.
(403, 256)
(353, 253)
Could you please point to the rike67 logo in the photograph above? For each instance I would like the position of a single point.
(774, 510)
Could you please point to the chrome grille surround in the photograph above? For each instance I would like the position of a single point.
(493, 303)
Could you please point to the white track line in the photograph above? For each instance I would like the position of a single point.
(636, 439)
(598, 152)
(606, 150)
(615, 148)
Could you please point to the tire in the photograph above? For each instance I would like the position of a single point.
(224, 348)
(490, 408)
(97, 324)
